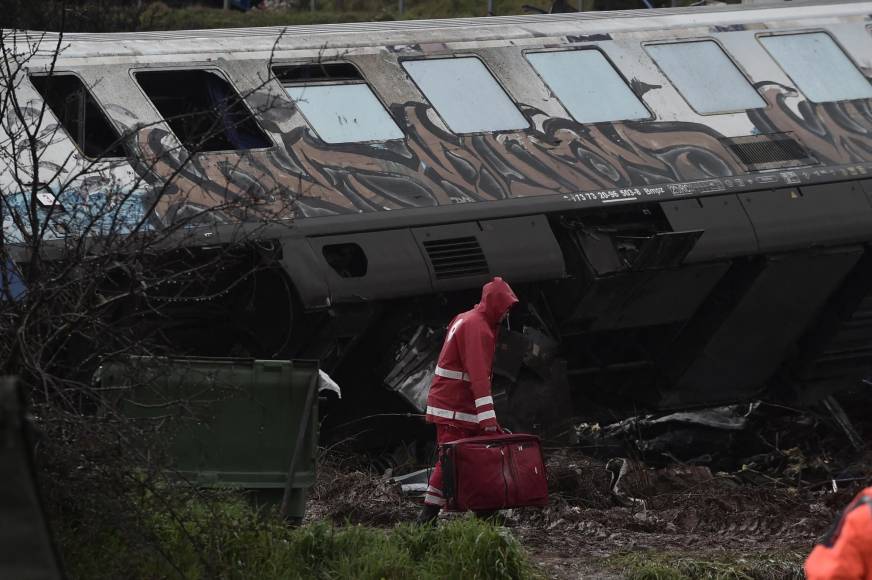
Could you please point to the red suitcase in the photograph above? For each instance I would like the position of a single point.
(492, 472)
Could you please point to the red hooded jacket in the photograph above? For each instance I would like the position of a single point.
(460, 393)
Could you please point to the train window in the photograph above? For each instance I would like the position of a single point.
(588, 86)
(820, 69)
(203, 110)
(706, 77)
(337, 103)
(465, 95)
(78, 113)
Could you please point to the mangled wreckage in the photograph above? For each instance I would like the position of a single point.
(682, 198)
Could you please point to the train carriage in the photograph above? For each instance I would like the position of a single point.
(683, 197)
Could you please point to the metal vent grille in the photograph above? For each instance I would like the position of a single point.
(456, 257)
(769, 151)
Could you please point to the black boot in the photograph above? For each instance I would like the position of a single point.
(428, 514)
(492, 516)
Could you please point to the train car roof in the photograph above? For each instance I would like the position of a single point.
(506, 28)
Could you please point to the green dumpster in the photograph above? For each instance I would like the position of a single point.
(250, 424)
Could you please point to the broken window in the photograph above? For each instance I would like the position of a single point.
(203, 110)
(818, 66)
(79, 114)
(337, 103)
(706, 77)
(588, 86)
(466, 95)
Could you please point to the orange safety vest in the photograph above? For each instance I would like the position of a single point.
(846, 551)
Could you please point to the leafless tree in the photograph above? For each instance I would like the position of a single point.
(93, 265)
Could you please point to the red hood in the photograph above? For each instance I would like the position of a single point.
(496, 299)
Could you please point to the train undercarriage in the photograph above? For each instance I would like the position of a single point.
(651, 313)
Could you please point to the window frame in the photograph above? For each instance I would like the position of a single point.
(726, 53)
(122, 141)
(133, 71)
(363, 80)
(847, 55)
(526, 129)
(651, 115)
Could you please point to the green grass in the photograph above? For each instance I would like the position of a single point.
(780, 565)
(229, 539)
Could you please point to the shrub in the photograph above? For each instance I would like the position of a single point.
(224, 536)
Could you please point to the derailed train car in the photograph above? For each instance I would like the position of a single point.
(682, 197)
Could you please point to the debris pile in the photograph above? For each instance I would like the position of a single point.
(607, 498)
(758, 444)
(347, 492)
(749, 480)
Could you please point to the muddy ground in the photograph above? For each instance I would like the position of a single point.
(748, 503)
(704, 523)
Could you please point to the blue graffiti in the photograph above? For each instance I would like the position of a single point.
(75, 213)
(13, 282)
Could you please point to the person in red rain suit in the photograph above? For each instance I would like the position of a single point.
(460, 401)
(846, 551)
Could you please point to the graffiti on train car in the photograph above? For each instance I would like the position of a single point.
(837, 132)
(75, 211)
(434, 167)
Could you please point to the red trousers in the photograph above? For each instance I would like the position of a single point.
(444, 434)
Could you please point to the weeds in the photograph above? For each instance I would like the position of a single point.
(654, 566)
(225, 537)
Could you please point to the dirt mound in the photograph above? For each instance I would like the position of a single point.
(346, 493)
(604, 498)
(578, 479)
(683, 505)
